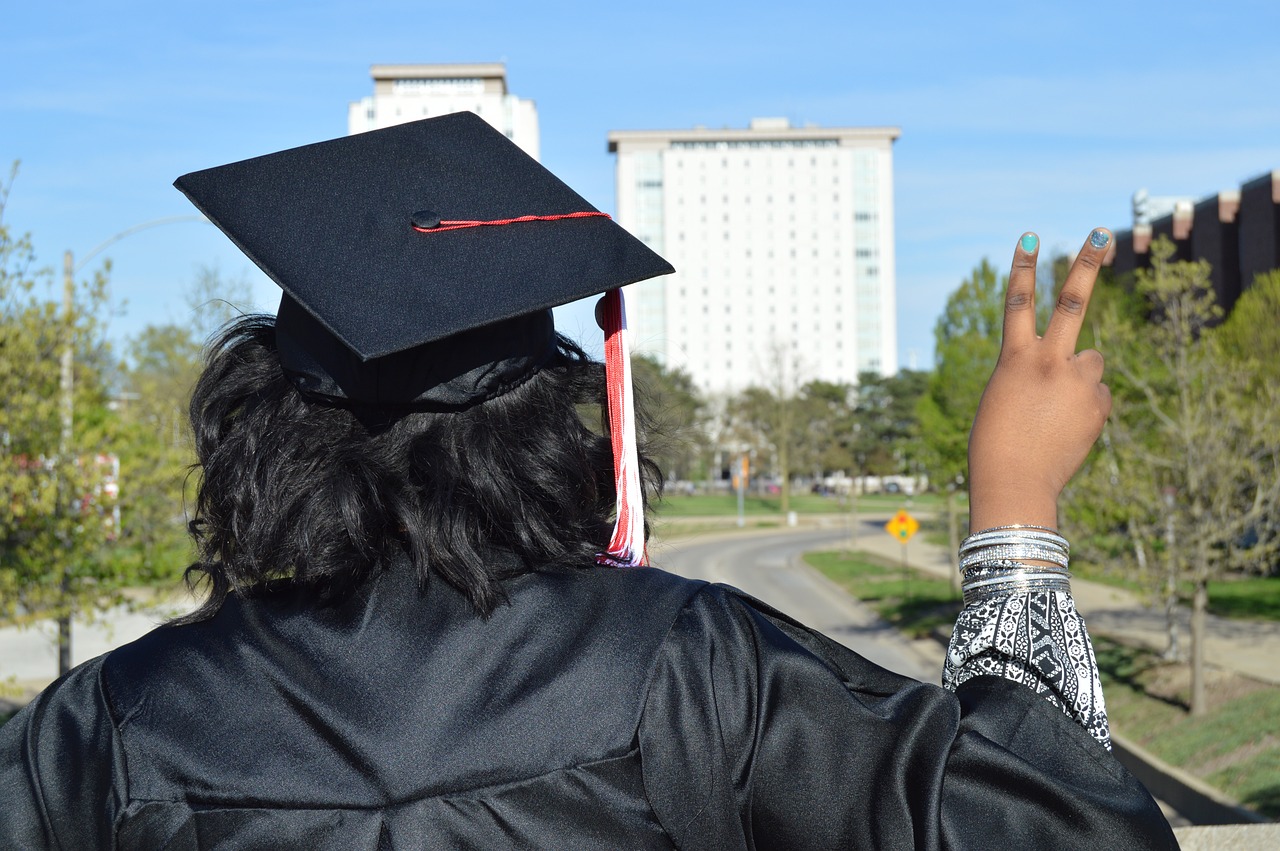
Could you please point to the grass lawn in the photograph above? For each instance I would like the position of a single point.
(1248, 597)
(672, 529)
(915, 604)
(1234, 747)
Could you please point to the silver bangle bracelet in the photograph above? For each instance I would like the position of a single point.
(1008, 541)
(988, 538)
(1014, 552)
(997, 588)
(1023, 578)
(1010, 568)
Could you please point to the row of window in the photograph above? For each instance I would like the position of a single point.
(460, 85)
(732, 144)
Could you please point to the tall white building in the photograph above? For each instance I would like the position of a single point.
(782, 239)
(408, 92)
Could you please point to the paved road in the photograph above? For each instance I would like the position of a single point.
(765, 565)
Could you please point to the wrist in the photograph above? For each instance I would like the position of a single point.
(989, 508)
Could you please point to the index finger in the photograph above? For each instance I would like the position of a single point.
(1073, 301)
(1020, 296)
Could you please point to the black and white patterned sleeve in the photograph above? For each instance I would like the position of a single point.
(1036, 638)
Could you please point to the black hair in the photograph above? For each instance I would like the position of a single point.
(321, 496)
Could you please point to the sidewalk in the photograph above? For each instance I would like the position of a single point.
(1247, 647)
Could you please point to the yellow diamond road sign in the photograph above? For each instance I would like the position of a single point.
(902, 526)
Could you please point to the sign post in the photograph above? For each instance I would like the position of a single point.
(902, 527)
(741, 479)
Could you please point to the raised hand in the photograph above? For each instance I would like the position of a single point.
(1045, 405)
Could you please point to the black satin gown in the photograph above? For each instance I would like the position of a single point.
(602, 708)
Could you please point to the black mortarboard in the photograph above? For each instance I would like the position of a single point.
(407, 280)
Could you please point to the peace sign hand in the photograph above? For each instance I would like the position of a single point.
(1045, 405)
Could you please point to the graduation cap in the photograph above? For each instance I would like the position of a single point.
(419, 264)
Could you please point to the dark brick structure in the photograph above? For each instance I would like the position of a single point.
(1259, 227)
(1132, 251)
(1237, 233)
(1175, 227)
(1215, 236)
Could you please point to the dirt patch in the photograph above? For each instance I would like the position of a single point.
(1171, 682)
(1242, 754)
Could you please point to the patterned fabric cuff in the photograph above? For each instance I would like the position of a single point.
(1037, 639)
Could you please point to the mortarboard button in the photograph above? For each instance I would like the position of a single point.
(425, 219)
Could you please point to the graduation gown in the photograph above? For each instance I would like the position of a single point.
(599, 709)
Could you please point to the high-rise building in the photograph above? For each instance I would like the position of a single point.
(782, 238)
(409, 92)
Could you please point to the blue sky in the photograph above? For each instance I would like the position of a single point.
(1014, 116)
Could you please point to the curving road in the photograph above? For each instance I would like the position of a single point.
(767, 566)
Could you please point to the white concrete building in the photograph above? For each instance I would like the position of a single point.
(408, 92)
(782, 238)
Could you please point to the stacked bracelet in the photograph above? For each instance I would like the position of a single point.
(991, 562)
(1012, 552)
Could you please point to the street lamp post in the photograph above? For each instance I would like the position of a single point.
(67, 390)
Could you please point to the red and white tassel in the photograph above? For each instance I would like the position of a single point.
(626, 547)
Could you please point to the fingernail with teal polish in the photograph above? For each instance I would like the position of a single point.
(1099, 239)
(1029, 242)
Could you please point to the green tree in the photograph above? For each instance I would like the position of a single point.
(156, 451)
(886, 437)
(156, 447)
(766, 419)
(825, 424)
(967, 344)
(1194, 456)
(675, 413)
(56, 467)
(1251, 334)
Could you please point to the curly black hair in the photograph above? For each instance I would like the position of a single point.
(315, 495)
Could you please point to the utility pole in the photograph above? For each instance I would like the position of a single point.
(66, 459)
(67, 386)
